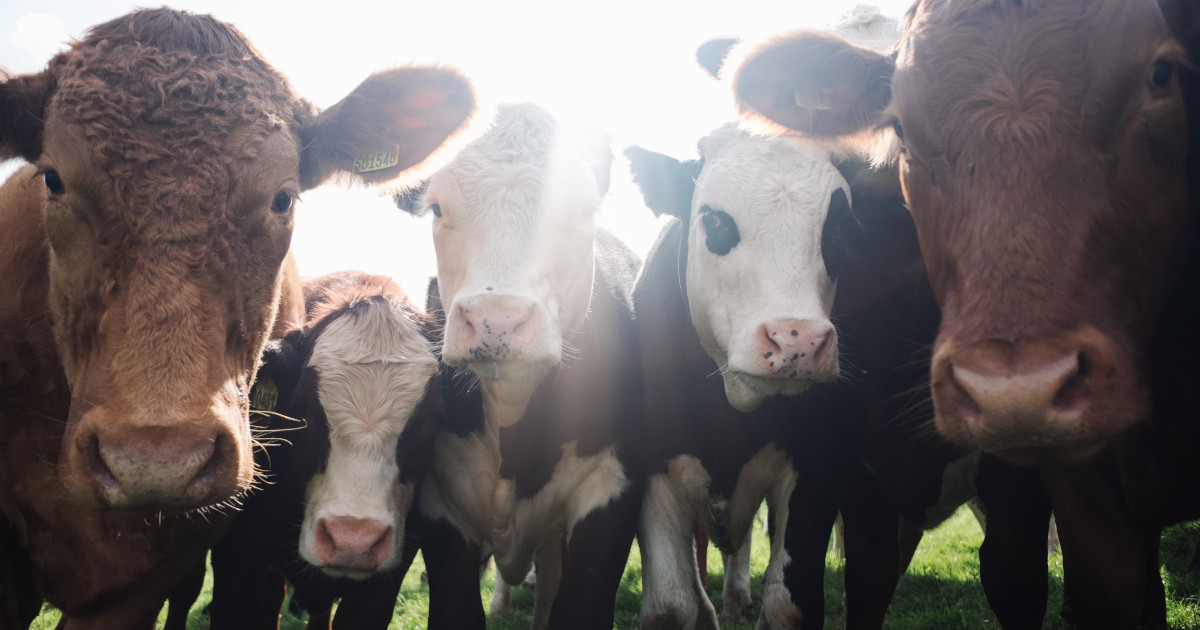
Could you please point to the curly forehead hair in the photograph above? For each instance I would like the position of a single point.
(157, 95)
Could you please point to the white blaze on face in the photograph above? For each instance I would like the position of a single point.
(757, 285)
(513, 229)
(373, 366)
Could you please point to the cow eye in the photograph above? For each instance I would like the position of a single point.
(720, 229)
(898, 129)
(1161, 73)
(54, 183)
(282, 203)
(436, 209)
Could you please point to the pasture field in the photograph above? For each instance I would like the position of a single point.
(940, 591)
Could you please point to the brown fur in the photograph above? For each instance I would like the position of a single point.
(135, 302)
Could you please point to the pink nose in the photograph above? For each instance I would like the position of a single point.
(353, 543)
(798, 349)
(494, 327)
(1000, 395)
(158, 467)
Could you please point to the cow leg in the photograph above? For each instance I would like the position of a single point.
(1012, 558)
(179, 604)
(242, 585)
(371, 605)
(702, 554)
(672, 596)
(20, 601)
(873, 556)
(501, 603)
(793, 594)
(597, 550)
(452, 563)
(735, 596)
(549, 566)
(1106, 553)
(910, 538)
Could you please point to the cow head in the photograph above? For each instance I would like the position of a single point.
(513, 228)
(172, 157)
(763, 218)
(1042, 151)
(362, 377)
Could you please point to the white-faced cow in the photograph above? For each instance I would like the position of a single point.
(361, 379)
(737, 287)
(1048, 152)
(539, 461)
(141, 278)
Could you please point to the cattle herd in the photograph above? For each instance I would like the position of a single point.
(940, 258)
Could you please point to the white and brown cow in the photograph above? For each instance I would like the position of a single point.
(142, 277)
(360, 378)
(539, 459)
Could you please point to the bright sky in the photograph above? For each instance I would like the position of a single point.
(624, 65)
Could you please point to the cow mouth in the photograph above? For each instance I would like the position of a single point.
(511, 371)
(1020, 455)
(746, 391)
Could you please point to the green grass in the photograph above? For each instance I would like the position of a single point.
(940, 591)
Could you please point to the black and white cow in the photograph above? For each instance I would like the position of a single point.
(861, 447)
(736, 293)
(355, 396)
(539, 460)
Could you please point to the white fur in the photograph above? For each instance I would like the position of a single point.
(777, 190)
(517, 222)
(373, 368)
(464, 487)
(672, 505)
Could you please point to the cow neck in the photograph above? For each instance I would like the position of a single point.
(504, 403)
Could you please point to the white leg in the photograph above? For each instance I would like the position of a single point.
(778, 611)
(549, 567)
(735, 599)
(501, 597)
(671, 593)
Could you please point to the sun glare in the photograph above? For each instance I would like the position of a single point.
(626, 66)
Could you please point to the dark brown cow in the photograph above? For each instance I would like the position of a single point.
(141, 278)
(1050, 166)
(1045, 170)
(361, 379)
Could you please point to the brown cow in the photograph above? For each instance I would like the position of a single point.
(141, 276)
(1048, 161)
(1045, 170)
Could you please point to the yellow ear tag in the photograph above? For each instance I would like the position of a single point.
(264, 395)
(377, 161)
(824, 101)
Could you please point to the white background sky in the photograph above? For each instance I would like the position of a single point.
(624, 65)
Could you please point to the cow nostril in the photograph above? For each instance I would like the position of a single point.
(99, 471)
(382, 547)
(770, 346)
(323, 540)
(1073, 391)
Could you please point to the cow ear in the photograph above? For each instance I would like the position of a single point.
(667, 184)
(23, 102)
(409, 199)
(871, 180)
(814, 82)
(390, 123)
(711, 55)
(433, 302)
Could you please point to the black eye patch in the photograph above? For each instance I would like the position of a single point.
(721, 232)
